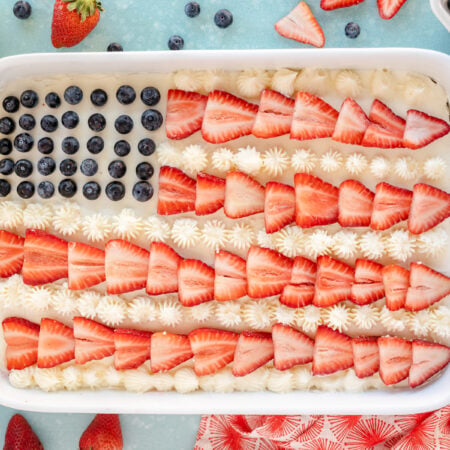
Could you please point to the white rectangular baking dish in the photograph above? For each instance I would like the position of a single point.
(397, 401)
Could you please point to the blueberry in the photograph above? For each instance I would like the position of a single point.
(126, 95)
(146, 147)
(223, 18)
(144, 171)
(7, 125)
(49, 123)
(67, 188)
(46, 189)
(27, 122)
(25, 189)
(11, 104)
(192, 9)
(151, 119)
(23, 168)
(6, 166)
(73, 95)
(95, 145)
(115, 191)
(29, 99)
(124, 124)
(99, 97)
(142, 191)
(23, 142)
(150, 96)
(46, 166)
(89, 167)
(68, 167)
(92, 190)
(175, 42)
(97, 122)
(352, 30)
(70, 119)
(22, 10)
(117, 169)
(45, 145)
(52, 99)
(70, 145)
(122, 148)
(114, 47)
(5, 146)
(5, 188)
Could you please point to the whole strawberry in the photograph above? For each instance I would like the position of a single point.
(20, 436)
(73, 20)
(103, 433)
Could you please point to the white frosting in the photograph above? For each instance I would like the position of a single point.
(23, 379)
(257, 313)
(301, 377)
(87, 304)
(12, 292)
(72, 378)
(194, 159)
(400, 245)
(112, 377)
(168, 155)
(309, 318)
(319, 242)
(142, 310)
(93, 377)
(440, 321)
(383, 83)
(156, 229)
(345, 244)
(112, 310)
(415, 90)
(201, 313)
(223, 159)
(185, 381)
(214, 79)
(366, 317)
(228, 313)
(379, 167)
(214, 234)
(49, 380)
(138, 380)
(127, 225)
(275, 161)
(253, 382)
(406, 168)
(67, 218)
(185, 233)
(96, 227)
(170, 313)
(356, 163)
(223, 380)
(188, 80)
(266, 240)
(352, 383)
(338, 317)
(248, 160)
(303, 160)
(315, 81)
(163, 381)
(251, 82)
(392, 320)
(37, 299)
(419, 322)
(64, 301)
(280, 381)
(331, 161)
(11, 215)
(37, 215)
(434, 168)
(348, 83)
(372, 245)
(290, 241)
(285, 315)
(283, 81)
(241, 236)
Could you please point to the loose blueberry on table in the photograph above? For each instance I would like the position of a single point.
(192, 9)
(223, 18)
(175, 42)
(73, 95)
(22, 10)
(352, 30)
(114, 47)
(46, 189)
(95, 145)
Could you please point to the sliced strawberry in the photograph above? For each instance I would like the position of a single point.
(209, 194)
(291, 347)
(86, 351)
(426, 286)
(268, 272)
(301, 25)
(126, 267)
(395, 359)
(355, 204)
(390, 206)
(230, 265)
(379, 137)
(332, 351)
(244, 196)
(365, 356)
(20, 356)
(86, 266)
(212, 349)
(226, 288)
(11, 254)
(176, 192)
(45, 258)
(230, 280)
(56, 344)
(162, 269)
(132, 348)
(383, 116)
(334, 281)
(168, 350)
(389, 8)
(303, 271)
(328, 5)
(428, 359)
(368, 286)
(430, 206)
(279, 206)
(396, 282)
(313, 118)
(253, 350)
(316, 201)
(195, 282)
(227, 117)
(351, 123)
(185, 112)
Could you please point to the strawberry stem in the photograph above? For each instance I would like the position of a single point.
(85, 8)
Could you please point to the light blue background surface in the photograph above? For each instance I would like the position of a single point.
(147, 25)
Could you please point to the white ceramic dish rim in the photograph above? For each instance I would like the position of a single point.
(441, 12)
(397, 401)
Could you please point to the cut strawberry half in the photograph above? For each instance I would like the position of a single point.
(230, 280)
(390, 206)
(426, 286)
(45, 258)
(379, 137)
(313, 118)
(332, 351)
(209, 194)
(389, 8)
(268, 272)
(226, 288)
(304, 271)
(316, 201)
(244, 196)
(382, 115)
(365, 356)
(195, 282)
(395, 282)
(126, 267)
(279, 206)
(56, 344)
(86, 266)
(328, 5)
(168, 350)
(274, 115)
(176, 192)
(11, 254)
(429, 207)
(212, 349)
(351, 124)
(291, 347)
(428, 359)
(355, 204)
(132, 348)
(301, 25)
(20, 356)
(162, 269)
(185, 112)
(368, 286)
(395, 359)
(253, 350)
(230, 265)
(334, 281)
(227, 117)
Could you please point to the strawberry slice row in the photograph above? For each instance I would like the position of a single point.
(53, 343)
